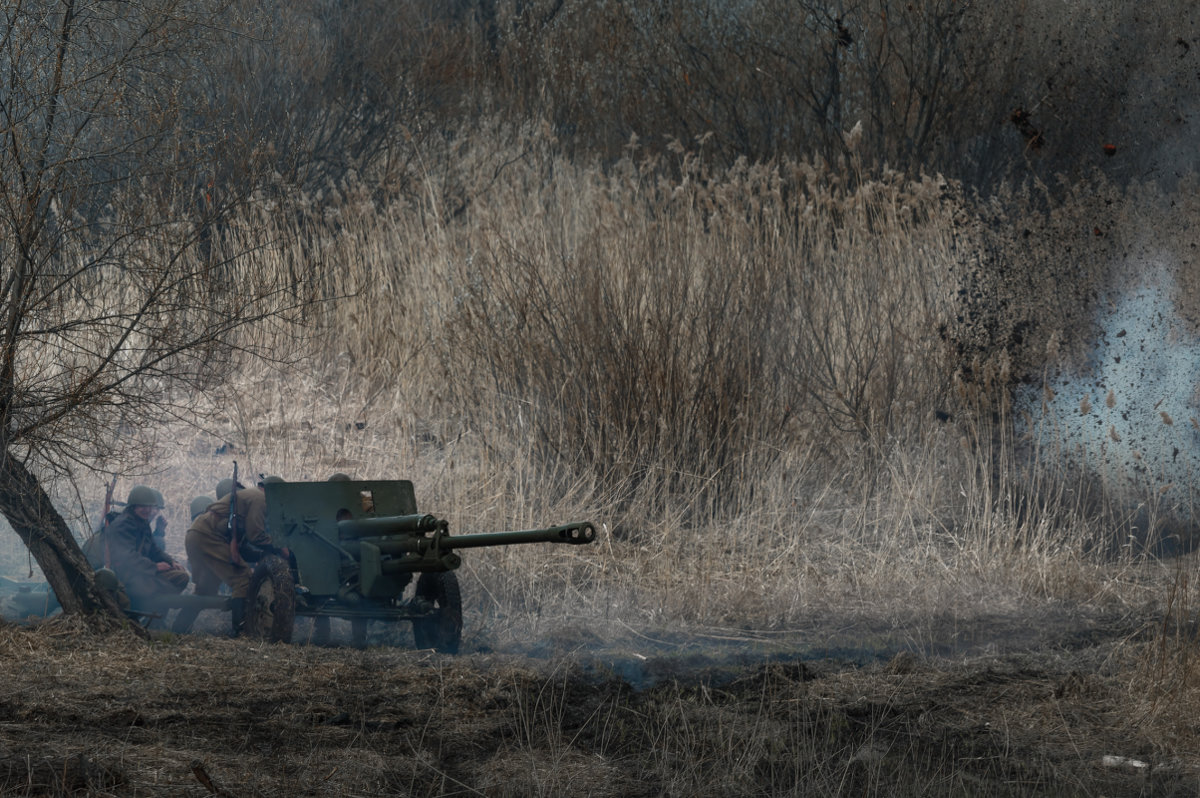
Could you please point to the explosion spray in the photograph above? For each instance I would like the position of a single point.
(1131, 415)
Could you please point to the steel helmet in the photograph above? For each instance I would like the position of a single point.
(199, 505)
(225, 486)
(339, 477)
(143, 496)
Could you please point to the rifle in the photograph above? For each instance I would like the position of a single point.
(108, 501)
(235, 554)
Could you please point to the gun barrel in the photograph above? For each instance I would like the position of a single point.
(574, 533)
(395, 535)
(389, 525)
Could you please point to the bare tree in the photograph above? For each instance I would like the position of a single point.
(122, 291)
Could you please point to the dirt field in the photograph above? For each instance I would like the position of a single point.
(996, 706)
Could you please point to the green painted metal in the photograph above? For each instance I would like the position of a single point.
(303, 516)
(356, 540)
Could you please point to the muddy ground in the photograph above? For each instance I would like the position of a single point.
(988, 706)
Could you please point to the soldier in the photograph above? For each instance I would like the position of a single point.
(213, 560)
(127, 546)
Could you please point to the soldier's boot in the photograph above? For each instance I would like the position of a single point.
(184, 620)
(238, 606)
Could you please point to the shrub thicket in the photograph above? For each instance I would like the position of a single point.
(980, 92)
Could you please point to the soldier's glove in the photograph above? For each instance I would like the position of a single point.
(253, 552)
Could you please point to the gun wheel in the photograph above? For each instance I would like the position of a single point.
(441, 630)
(358, 632)
(320, 630)
(271, 601)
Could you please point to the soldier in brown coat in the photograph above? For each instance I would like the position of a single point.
(127, 546)
(211, 557)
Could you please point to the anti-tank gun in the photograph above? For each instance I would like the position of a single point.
(360, 550)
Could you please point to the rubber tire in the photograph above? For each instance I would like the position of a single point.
(441, 631)
(184, 620)
(271, 601)
(320, 630)
(358, 632)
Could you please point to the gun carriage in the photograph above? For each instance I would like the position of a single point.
(361, 551)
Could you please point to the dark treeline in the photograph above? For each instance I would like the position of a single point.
(982, 92)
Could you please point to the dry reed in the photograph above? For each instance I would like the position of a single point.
(753, 380)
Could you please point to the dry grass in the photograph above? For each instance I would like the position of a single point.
(787, 418)
(115, 715)
(738, 374)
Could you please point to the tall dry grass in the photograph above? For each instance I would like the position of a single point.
(755, 379)
(788, 404)
(769, 385)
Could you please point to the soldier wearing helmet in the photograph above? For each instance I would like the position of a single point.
(127, 546)
(213, 560)
(199, 505)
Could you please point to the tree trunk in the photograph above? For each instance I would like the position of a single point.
(33, 517)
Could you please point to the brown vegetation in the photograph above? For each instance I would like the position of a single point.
(113, 715)
(473, 360)
(778, 357)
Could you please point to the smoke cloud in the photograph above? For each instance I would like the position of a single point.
(1130, 416)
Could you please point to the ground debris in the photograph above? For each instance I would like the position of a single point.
(195, 715)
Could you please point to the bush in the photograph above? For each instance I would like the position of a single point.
(673, 337)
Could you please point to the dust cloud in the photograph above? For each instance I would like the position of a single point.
(1130, 416)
